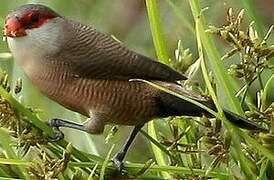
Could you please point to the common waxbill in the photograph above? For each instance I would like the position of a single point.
(88, 72)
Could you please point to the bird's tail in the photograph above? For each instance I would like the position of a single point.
(174, 106)
(242, 122)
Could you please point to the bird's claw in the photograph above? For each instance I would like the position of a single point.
(59, 135)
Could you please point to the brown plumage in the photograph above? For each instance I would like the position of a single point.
(87, 71)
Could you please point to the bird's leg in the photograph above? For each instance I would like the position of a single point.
(94, 125)
(57, 123)
(119, 157)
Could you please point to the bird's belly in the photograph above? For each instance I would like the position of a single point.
(127, 103)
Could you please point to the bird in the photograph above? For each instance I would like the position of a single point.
(89, 72)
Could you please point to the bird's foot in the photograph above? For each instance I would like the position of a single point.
(118, 160)
(55, 124)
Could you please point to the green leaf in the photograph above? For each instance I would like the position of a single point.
(5, 142)
(15, 162)
(268, 94)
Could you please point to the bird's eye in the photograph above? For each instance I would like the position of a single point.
(34, 18)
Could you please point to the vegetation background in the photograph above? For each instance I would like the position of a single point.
(133, 23)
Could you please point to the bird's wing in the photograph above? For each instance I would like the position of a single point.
(96, 55)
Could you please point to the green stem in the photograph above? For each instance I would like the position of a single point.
(156, 31)
(260, 80)
(223, 79)
(244, 94)
(162, 55)
(134, 167)
(201, 38)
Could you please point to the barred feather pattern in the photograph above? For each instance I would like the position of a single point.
(87, 71)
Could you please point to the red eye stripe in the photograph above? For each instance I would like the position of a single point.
(34, 19)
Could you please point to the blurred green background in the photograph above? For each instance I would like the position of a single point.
(127, 20)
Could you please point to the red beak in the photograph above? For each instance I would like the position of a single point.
(13, 28)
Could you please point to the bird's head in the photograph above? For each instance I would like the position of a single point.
(27, 18)
(34, 32)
